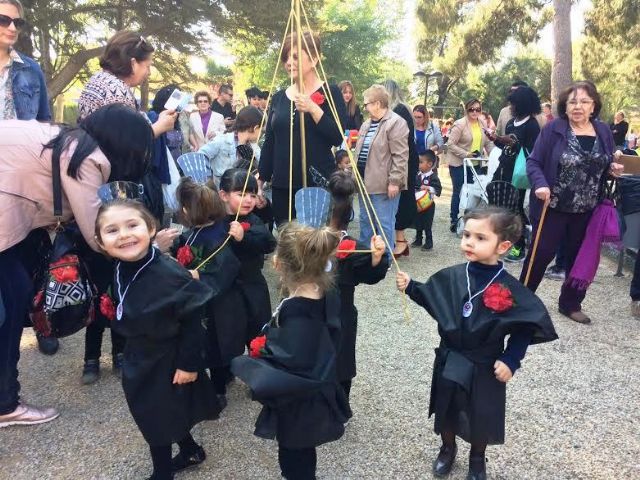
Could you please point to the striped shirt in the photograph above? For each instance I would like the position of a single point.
(366, 144)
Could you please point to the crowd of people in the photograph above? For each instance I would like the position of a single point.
(176, 264)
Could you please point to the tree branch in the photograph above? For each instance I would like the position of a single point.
(74, 64)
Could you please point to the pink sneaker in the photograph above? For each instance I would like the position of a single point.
(28, 415)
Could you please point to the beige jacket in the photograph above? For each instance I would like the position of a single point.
(26, 192)
(460, 140)
(215, 127)
(388, 158)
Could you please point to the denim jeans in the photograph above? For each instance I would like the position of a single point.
(386, 209)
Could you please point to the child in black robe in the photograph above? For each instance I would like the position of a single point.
(477, 305)
(159, 309)
(353, 268)
(204, 212)
(292, 369)
(256, 242)
(426, 181)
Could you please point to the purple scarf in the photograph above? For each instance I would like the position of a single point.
(603, 227)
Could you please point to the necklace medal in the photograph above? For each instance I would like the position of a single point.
(467, 309)
(119, 311)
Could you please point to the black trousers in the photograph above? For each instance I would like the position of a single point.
(93, 341)
(424, 224)
(634, 291)
(280, 204)
(297, 464)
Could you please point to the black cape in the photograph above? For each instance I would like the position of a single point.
(353, 269)
(256, 243)
(295, 378)
(162, 319)
(465, 395)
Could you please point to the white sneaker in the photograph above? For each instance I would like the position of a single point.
(28, 415)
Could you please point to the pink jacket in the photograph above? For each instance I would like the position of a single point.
(26, 191)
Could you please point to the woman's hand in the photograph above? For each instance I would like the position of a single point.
(393, 190)
(181, 377)
(166, 121)
(616, 169)
(543, 193)
(164, 239)
(377, 249)
(236, 231)
(195, 274)
(402, 281)
(306, 105)
(502, 372)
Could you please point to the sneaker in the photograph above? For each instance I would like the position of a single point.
(47, 345)
(555, 273)
(90, 372)
(635, 308)
(516, 254)
(28, 415)
(117, 364)
(181, 462)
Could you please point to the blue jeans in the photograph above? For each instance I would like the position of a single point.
(386, 209)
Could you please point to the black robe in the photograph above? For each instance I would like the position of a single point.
(226, 313)
(163, 310)
(465, 395)
(256, 243)
(353, 269)
(295, 378)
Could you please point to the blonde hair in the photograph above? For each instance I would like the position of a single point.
(303, 253)
(377, 93)
(15, 3)
(351, 106)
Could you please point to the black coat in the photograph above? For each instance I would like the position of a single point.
(163, 311)
(353, 269)
(256, 243)
(465, 395)
(295, 378)
(407, 205)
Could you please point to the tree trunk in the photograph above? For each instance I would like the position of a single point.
(144, 95)
(65, 76)
(561, 74)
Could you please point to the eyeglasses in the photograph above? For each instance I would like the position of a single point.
(471, 110)
(19, 23)
(202, 101)
(582, 103)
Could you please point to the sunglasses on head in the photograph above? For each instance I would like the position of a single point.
(474, 109)
(19, 23)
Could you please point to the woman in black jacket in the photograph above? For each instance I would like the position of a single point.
(322, 131)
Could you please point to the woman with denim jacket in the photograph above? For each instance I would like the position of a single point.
(23, 91)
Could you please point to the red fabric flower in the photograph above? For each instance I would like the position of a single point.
(65, 270)
(256, 347)
(498, 298)
(107, 307)
(245, 226)
(185, 255)
(345, 247)
(317, 98)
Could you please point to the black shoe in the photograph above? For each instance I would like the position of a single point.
(117, 364)
(181, 462)
(427, 246)
(444, 461)
(222, 401)
(417, 242)
(453, 228)
(47, 345)
(477, 468)
(90, 372)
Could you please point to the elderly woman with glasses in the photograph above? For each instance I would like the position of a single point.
(467, 138)
(567, 169)
(23, 92)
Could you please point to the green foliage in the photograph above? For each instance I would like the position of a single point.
(218, 73)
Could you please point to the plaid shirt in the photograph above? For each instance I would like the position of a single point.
(7, 107)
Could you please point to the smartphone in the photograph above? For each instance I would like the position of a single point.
(177, 101)
(178, 226)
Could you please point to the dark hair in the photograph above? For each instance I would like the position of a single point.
(525, 102)
(125, 203)
(340, 154)
(127, 147)
(470, 103)
(264, 94)
(572, 89)
(428, 155)
(247, 118)
(201, 93)
(225, 88)
(121, 48)
(161, 97)
(519, 83)
(233, 180)
(252, 92)
(308, 41)
(506, 224)
(342, 188)
(201, 203)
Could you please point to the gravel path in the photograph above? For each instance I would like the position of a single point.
(572, 409)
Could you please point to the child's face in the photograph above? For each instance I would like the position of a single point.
(480, 243)
(344, 163)
(233, 199)
(124, 234)
(425, 166)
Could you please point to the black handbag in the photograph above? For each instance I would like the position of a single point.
(64, 300)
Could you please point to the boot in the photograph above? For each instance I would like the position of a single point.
(418, 240)
(444, 461)
(47, 345)
(477, 467)
(90, 372)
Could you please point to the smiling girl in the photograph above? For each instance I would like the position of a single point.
(476, 305)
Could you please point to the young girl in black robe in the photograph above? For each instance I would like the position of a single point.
(159, 309)
(203, 211)
(477, 305)
(292, 369)
(250, 248)
(352, 269)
